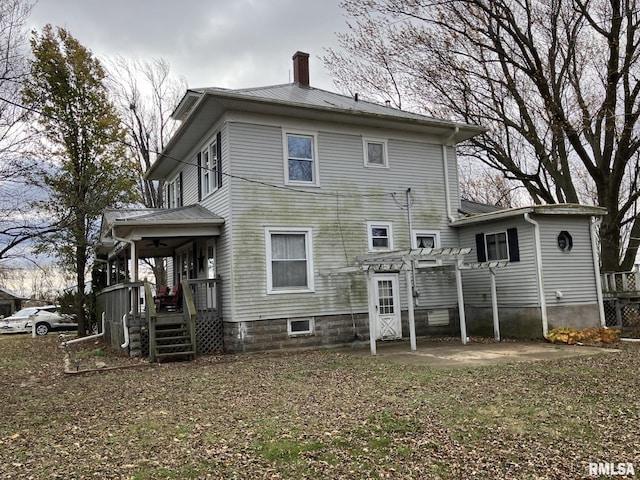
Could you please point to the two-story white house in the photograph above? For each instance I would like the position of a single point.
(321, 218)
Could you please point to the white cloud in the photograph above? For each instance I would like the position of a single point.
(235, 44)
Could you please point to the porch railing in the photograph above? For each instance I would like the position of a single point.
(621, 284)
(118, 301)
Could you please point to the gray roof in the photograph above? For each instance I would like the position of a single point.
(314, 97)
(469, 207)
(188, 214)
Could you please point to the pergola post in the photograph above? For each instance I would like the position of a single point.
(412, 320)
(463, 321)
(494, 306)
(372, 312)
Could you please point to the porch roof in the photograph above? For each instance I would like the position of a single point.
(157, 231)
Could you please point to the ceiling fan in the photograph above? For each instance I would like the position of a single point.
(156, 243)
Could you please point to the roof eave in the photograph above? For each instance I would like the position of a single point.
(552, 209)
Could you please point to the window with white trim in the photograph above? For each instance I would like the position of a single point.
(379, 236)
(301, 158)
(289, 260)
(300, 326)
(426, 239)
(213, 153)
(496, 244)
(375, 152)
(206, 172)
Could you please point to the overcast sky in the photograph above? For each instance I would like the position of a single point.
(212, 43)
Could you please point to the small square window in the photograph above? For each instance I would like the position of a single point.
(375, 153)
(300, 326)
(379, 236)
(426, 239)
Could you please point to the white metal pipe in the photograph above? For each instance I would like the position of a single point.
(412, 320)
(445, 164)
(89, 337)
(538, 253)
(125, 329)
(596, 270)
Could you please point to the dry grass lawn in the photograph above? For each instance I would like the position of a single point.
(320, 415)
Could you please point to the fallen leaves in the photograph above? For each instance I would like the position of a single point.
(315, 415)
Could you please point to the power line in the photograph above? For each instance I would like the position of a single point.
(190, 164)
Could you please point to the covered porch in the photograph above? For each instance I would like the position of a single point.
(180, 314)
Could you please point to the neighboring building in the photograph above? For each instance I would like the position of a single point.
(313, 212)
(10, 302)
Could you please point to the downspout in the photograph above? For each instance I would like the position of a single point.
(445, 165)
(538, 252)
(596, 268)
(134, 299)
(414, 291)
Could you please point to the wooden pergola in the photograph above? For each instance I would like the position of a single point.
(411, 260)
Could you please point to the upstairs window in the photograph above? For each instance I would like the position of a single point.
(379, 236)
(375, 153)
(301, 162)
(206, 172)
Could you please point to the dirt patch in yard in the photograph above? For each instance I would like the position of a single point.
(314, 415)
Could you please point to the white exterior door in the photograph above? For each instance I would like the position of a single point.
(387, 305)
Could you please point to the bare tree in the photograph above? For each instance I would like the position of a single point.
(19, 224)
(557, 83)
(145, 94)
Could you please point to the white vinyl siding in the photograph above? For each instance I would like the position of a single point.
(516, 283)
(573, 272)
(339, 225)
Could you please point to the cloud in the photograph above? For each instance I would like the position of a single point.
(234, 44)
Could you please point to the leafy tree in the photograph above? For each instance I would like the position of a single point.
(557, 82)
(88, 169)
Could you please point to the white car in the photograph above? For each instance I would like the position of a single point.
(46, 319)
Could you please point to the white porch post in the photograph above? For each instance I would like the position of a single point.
(463, 321)
(494, 306)
(372, 311)
(412, 321)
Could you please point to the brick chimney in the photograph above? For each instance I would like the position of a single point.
(301, 68)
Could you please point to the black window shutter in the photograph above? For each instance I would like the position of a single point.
(219, 157)
(480, 248)
(181, 190)
(512, 242)
(168, 195)
(199, 176)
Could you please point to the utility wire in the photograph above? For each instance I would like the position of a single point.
(190, 164)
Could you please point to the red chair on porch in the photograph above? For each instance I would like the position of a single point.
(169, 300)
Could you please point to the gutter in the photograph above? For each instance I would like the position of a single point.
(596, 269)
(445, 165)
(538, 253)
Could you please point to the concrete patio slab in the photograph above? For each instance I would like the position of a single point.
(456, 355)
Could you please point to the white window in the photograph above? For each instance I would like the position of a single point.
(375, 153)
(496, 244)
(301, 158)
(289, 260)
(206, 172)
(425, 239)
(379, 236)
(213, 148)
(300, 326)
